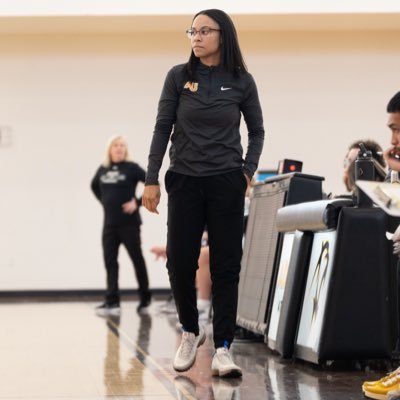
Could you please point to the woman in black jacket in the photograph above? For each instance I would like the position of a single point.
(114, 185)
(201, 103)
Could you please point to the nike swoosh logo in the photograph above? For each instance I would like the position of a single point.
(225, 88)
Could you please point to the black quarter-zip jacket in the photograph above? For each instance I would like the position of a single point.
(115, 185)
(204, 118)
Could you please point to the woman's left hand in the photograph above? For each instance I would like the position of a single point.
(130, 207)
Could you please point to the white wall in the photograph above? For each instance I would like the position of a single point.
(63, 95)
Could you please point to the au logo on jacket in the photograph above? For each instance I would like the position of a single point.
(192, 86)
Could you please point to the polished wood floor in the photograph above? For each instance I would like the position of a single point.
(63, 351)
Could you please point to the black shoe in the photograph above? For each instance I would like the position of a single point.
(108, 309)
(144, 304)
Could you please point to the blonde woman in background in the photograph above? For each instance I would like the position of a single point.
(114, 185)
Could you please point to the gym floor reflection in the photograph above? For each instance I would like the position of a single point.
(62, 351)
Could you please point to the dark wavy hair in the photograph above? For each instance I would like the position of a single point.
(231, 56)
(394, 104)
(377, 158)
(373, 147)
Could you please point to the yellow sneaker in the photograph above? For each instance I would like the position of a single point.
(380, 390)
(385, 378)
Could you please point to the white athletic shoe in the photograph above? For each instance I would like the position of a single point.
(106, 309)
(186, 353)
(222, 364)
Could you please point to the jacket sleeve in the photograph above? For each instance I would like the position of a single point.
(252, 113)
(141, 175)
(166, 117)
(95, 184)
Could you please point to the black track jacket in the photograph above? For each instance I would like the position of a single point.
(115, 185)
(205, 118)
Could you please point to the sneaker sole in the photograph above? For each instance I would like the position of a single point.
(377, 396)
(201, 341)
(107, 313)
(366, 387)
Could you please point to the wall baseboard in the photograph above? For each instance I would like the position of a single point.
(74, 295)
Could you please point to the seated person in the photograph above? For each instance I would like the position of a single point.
(350, 159)
(203, 279)
(388, 386)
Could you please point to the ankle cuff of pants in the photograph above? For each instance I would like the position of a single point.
(222, 343)
(196, 333)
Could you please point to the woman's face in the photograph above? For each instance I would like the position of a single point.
(118, 150)
(206, 43)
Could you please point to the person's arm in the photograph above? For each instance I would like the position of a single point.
(95, 185)
(166, 117)
(252, 113)
(396, 242)
(141, 177)
(137, 174)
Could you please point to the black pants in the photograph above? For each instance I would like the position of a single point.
(218, 202)
(129, 236)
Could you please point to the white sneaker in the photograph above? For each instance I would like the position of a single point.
(204, 314)
(186, 353)
(106, 309)
(222, 364)
(168, 307)
(204, 308)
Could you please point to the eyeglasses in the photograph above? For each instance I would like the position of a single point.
(205, 31)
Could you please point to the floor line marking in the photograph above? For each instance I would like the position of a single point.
(147, 356)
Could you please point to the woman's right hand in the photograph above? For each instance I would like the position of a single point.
(151, 197)
(159, 252)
